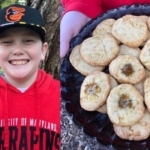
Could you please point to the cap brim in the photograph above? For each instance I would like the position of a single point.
(41, 31)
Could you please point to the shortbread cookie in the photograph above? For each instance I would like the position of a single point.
(94, 90)
(113, 83)
(79, 64)
(130, 30)
(127, 69)
(99, 51)
(147, 93)
(144, 18)
(148, 37)
(148, 23)
(102, 109)
(147, 73)
(145, 55)
(104, 27)
(136, 132)
(126, 50)
(125, 105)
(140, 87)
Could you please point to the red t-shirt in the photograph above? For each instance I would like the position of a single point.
(30, 120)
(93, 8)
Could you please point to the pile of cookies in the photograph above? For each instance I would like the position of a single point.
(123, 46)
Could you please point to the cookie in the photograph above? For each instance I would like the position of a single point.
(79, 64)
(98, 50)
(102, 109)
(147, 93)
(144, 18)
(148, 23)
(140, 87)
(147, 73)
(126, 50)
(127, 69)
(113, 83)
(94, 90)
(104, 27)
(145, 55)
(125, 105)
(148, 37)
(136, 132)
(130, 30)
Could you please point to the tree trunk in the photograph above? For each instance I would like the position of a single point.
(50, 10)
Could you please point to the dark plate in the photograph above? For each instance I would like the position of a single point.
(96, 124)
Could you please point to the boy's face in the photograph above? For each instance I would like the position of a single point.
(21, 50)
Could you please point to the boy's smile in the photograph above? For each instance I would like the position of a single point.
(21, 51)
(18, 62)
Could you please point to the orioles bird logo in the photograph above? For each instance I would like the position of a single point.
(14, 14)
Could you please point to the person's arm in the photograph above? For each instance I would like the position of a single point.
(70, 26)
(76, 14)
(90, 8)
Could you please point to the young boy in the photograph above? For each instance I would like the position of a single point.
(29, 98)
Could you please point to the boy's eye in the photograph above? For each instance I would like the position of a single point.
(28, 41)
(6, 42)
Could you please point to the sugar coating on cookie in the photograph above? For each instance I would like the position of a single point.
(125, 105)
(99, 50)
(127, 69)
(130, 30)
(136, 132)
(80, 65)
(94, 90)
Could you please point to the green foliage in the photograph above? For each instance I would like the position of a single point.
(4, 3)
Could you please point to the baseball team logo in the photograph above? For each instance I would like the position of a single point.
(14, 14)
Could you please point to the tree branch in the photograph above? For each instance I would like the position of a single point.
(35, 3)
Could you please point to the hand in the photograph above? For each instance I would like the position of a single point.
(70, 26)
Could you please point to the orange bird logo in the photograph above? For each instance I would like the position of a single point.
(14, 14)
